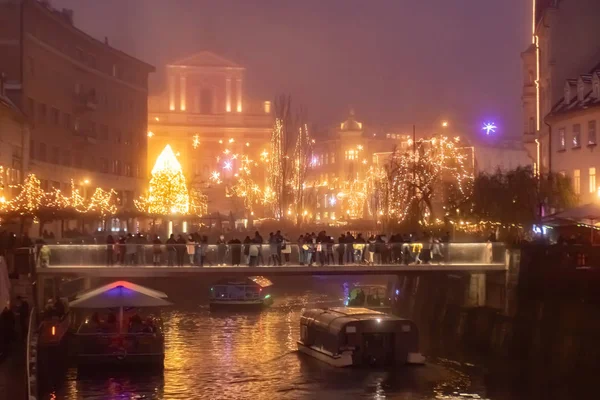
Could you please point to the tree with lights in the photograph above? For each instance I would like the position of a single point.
(303, 152)
(415, 177)
(167, 192)
(103, 203)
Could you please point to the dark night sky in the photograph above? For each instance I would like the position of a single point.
(397, 62)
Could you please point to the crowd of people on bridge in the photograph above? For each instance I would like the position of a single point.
(277, 248)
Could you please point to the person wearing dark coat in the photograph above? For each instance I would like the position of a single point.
(221, 250)
(110, 249)
(341, 249)
(171, 250)
(235, 247)
(180, 250)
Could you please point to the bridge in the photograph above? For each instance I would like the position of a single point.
(100, 261)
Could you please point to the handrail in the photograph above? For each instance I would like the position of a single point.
(31, 369)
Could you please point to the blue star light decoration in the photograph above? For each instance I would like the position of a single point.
(489, 127)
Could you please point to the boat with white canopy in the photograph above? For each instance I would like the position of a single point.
(121, 326)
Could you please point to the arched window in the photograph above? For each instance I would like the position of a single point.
(206, 101)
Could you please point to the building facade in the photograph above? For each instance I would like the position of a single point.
(14, 140)
(339, 169)
(205, 116)
(86, 101)
(565, 43)
(574, 120)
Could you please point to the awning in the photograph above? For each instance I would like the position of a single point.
(120, 294)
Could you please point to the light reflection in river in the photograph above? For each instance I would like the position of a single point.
(253, 356)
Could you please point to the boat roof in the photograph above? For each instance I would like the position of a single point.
(260, 281)
(120, 294)
(336, 318)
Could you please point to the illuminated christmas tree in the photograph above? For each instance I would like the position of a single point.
(30, 197)
(167, 193)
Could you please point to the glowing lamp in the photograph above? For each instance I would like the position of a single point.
(53, 330)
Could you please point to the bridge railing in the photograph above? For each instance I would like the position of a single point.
(135, 254)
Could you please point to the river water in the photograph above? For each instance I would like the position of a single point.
(253, 356)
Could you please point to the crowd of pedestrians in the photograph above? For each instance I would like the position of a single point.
(276, 249)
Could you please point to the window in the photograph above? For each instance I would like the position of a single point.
(577, 181)
(55, 116)
(76, 124)
(128, 138)
(137, 170)
(66, 158)
(104, 165)
(42, 112)
(531, 125)
(42, 152)
(67, 121)
(128, 169)
(30, 66)
(114, 70)
(93, 129)
(577, 135)
(333, 158)
(31, 149)
(78, 88)
(592, 180)
(206, 101)
(91, 163)
(118, 137)
(562, 141)
(116, 167)
(80, 54)
(103, 132)
(78, 160)
(591, 133)
(351, 154)
(31, 108)
(55, 158)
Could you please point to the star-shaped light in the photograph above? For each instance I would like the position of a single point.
(489, 127)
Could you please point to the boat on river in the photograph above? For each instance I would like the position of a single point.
(373, 297)
(121, 327)
(252, 293)
(349, 336)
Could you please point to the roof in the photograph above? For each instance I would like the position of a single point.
(206, 59)
(64, 18)
(336, 318)
(120, 294)
(589, 100)
(351, 124)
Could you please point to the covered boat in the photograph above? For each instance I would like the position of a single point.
(119, 327)
(247, 293)
(345, 336)
(373, 297)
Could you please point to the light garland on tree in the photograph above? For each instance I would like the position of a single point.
(103, 202)
(167, 192)
(30, 197)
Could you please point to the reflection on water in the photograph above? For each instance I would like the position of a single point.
(253, 356)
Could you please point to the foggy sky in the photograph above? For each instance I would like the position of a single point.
(397, 62)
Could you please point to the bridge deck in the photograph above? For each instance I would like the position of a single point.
(289, 270)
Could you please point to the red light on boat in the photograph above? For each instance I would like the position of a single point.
(53, 330)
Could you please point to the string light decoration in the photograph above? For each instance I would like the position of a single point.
(275, 166)
(167, 192)
(195, 141)
(303, 153)
(76, 200)
(30, 197)
(198, 203)
(414, 177)
(103, 203)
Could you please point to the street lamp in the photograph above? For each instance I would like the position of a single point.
(445, 124)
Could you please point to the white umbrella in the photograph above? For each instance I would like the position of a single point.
(118, 295)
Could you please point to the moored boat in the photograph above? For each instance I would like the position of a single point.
(348, 336)
(373, 297)
(250, 293)
(120, 328)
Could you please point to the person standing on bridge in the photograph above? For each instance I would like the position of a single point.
(258, 240)
(156, 251)
(341, 249)
(181, 250)
(110, 250)
(171, 243)
(221, 250)
(349, 248)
